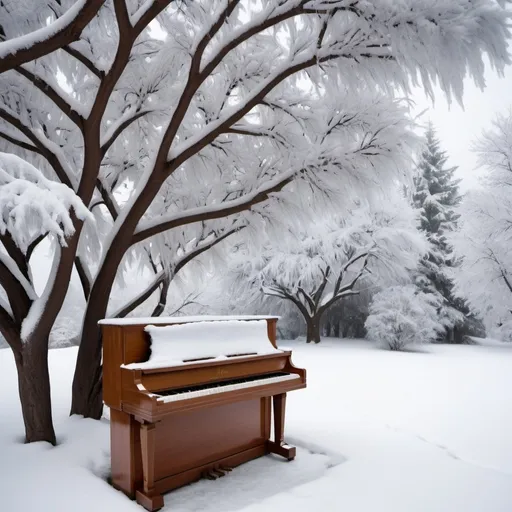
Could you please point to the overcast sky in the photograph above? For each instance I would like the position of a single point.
(457, 128)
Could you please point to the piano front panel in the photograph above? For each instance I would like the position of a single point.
(203, 436)
(229, 369)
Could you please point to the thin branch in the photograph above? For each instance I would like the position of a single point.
(108, 200)
(59, 33)
(215, 212)
(19, 143)
(203, 247)
(120, 129)
(162, 301)
(34, 244)
(84, 60)
(50, 156)
(53, 95)
(84, 277)
(142, 297)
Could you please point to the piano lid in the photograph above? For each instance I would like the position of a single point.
(181, 319)
(206, 341)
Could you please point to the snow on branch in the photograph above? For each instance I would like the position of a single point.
(32, 205)
(65, 29)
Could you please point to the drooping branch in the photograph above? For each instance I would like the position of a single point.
(62, 31)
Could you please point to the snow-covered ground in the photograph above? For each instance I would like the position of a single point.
(377, 431)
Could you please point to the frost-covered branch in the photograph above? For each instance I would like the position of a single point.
(122, 123)
(158, 225)
(64, 30)
(44, 147)
(32, 205)
(44, 86)
(84, 60)
(141, 297)
(17, 142)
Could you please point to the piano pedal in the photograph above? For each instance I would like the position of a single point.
(226, 468)
(208, 475)
(219, 472)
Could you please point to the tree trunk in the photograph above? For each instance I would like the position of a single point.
(336, 333)
(313, 329)
(87, 398)
(34, 390)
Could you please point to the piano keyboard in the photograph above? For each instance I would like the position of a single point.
(223, 387)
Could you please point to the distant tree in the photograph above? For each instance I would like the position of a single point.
(401, 316)
(332, 258)
(436, 195)
(485, 238)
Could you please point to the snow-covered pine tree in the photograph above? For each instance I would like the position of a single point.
(436, 196)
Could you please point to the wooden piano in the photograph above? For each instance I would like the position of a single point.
(182, 409)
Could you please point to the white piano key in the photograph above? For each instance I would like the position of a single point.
(224, 389)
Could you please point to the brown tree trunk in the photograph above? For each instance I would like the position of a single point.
(34, 390)
(313, 329)
(87, 398)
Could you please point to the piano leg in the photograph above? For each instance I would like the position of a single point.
(148, 498)
(278, 446)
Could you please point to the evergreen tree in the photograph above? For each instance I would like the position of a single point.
(436, 196)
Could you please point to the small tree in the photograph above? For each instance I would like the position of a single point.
(330, 260)
(31, 206)
(401, 316)
(436, 196)
(485, 238)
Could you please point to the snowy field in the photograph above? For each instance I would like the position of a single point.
(376, 431)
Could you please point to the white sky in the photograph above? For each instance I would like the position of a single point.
(457, 128)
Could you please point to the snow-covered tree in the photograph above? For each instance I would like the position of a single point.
(401, 316)
(436, 196)
(31, 206)
(485, 238)
(334, 258)
(216, 105)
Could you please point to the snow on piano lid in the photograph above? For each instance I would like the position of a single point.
(210, 340)
(180, 319)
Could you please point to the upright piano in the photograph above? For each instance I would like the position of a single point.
(192, 398)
